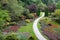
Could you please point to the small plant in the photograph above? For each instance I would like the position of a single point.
(27, 20)
(30, 16)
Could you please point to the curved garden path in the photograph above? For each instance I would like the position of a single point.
(35, 28)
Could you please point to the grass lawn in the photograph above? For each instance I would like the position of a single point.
(29, 29)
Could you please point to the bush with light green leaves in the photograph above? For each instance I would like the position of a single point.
(4, 17)
(57, 15)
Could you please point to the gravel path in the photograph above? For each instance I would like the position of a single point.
(35, 28)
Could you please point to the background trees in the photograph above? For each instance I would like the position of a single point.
(58, 5)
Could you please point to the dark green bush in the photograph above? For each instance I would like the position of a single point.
(46, 11)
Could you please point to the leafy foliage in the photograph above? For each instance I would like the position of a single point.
(4, 17)
(15, 9)
(57, 13)
(1, 36)
(30, 16)
(26, 1)
(15, 36)
(46, 11)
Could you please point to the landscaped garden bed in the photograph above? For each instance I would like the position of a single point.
(50, 29)
(17, 17)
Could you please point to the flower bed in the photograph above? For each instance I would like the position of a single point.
(50, 29)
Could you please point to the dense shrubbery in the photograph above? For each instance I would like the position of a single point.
(46, 12)
(4, 17)
(26, 1)
(50, 9)
(14, 8)
(1, 36)
(30, 16)
(57, 15)
(15, 36)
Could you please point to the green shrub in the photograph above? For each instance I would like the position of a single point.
(57, 15)
(31, 16)
(46, 11)
(38, 12)
(26, 12)
(11, 37)
(15, 36)
(14, 8)
(4, 17)
(27, 20)
(1, 37)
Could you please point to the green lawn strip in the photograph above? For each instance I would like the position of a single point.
(29, 29)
